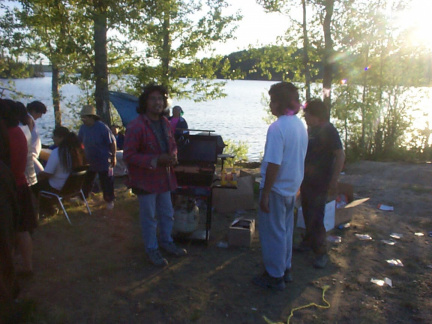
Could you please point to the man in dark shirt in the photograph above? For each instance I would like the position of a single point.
(324, 162)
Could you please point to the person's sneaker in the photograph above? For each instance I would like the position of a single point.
(287, 276)
(267, 281)
(110, 205)
(173, 249)
(156, 258)
(49, 212)
(302, 247)
(76, 200)
(321, 261)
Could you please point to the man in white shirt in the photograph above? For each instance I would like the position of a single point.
(35, 110)
(282, 172)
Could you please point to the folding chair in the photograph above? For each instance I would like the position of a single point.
(71, 188)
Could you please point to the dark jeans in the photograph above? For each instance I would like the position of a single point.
(106, 182)
(313, 204)
(46, 205)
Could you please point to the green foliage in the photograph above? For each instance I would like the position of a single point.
(238, 149)
(372, 108)
(277, 63)
(11, 42)
(10, 69)
(174, 33)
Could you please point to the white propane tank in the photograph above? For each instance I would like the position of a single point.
(186, 221)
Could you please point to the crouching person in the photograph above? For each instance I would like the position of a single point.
(150, 153)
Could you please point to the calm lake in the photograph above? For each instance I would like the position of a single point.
(238, 117)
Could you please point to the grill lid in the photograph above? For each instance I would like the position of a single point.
(198, 149)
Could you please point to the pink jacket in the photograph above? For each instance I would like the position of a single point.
(141, 149)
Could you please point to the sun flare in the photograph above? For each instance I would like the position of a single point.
(417, 20)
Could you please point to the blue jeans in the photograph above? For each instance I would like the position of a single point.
(106, 182)
(156, 210)
(276, 234)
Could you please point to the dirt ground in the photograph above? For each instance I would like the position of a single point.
(95, 271)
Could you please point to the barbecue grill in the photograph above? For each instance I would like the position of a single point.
(197, 156)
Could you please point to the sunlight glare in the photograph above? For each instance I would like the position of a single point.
(418, 20)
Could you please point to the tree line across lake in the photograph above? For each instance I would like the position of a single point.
(366, 64)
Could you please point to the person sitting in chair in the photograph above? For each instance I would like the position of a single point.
(68, 155)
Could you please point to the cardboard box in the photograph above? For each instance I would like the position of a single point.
(347, 190)
(345, 214)
(229, 200)
(329, 216)
(241, 232)
(334, 216)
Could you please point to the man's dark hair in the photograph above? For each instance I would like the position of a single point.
(285, 93)
(70, 151)
(22, 112)
(60, 131)
(9, 113)
(141, 109)
(36, 106)
(317, 108)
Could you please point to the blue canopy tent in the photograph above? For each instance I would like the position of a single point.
(125, 104)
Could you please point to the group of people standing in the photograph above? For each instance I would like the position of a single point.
(19, 144)
(294, 158)
(150, 151)
(22, 177)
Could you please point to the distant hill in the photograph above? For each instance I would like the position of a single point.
(11, 69)
(249, 63)
(41, 68)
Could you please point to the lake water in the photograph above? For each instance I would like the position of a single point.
(238, 117)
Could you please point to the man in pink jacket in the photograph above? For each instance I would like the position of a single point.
(150, 152)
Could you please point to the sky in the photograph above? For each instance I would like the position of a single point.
(258, 27)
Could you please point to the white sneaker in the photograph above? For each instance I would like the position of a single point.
(110, 205)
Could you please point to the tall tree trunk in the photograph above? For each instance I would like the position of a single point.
(306, 70)
(364, 103)
(101, 63)
(56, 94)
(166, 48)
(328, 53)
(378, 141)
(347, 152)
